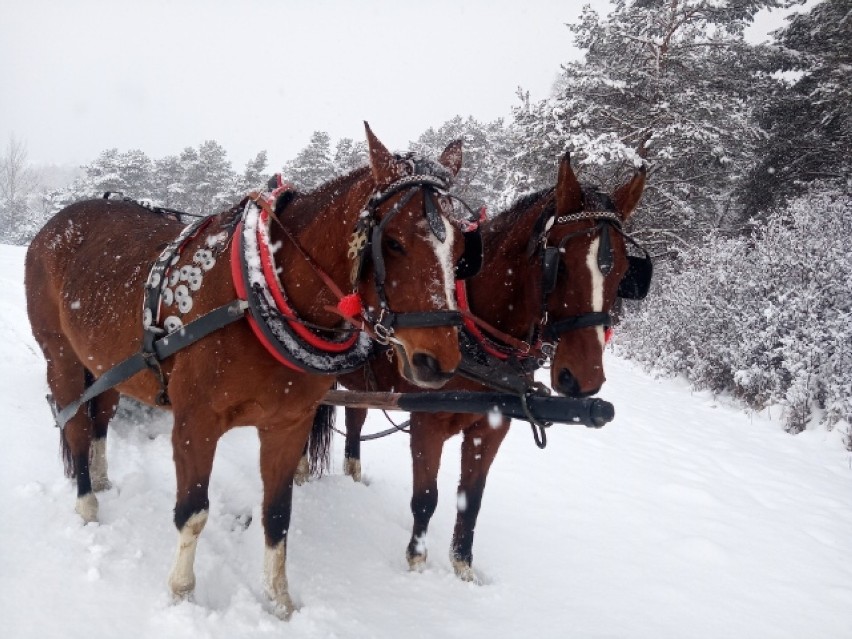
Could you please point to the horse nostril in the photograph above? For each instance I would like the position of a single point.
(567, 384)
(426, 363)
(428, 372)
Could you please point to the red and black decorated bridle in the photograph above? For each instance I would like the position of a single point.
(366, 245)
(542, 344)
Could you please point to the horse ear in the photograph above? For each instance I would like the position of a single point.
(569, 193)
(626, 197)
(452, 157)
(384, 165)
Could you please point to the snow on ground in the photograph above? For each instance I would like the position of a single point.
(683, 518)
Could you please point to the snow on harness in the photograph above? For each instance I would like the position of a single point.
(272, 318)
(168, 286)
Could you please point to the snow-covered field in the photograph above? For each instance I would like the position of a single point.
(683, 518)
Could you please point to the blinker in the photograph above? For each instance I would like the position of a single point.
(433, 217)
(605, 251)
(637, 280)
(470, 262)
(549, 268)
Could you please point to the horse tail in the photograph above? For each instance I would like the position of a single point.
(65, 453)
(64, 447)
(319, 440)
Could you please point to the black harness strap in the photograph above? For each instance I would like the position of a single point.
(554, 330)
(163, 348)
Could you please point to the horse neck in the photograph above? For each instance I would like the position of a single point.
(321, 223)
(506, 293)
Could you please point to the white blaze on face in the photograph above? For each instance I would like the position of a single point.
(444, 254)
(597, 284)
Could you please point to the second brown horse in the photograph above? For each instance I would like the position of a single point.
(564, 303)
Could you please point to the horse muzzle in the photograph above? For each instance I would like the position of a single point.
(566, 384)
(423, 369)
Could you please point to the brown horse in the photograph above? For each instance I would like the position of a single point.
(85, 275)
(553, 265)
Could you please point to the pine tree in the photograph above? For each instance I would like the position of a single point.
(481, 178)
(199, 181)
(254, 176)
(211, 180)
(128, 172)
(312, 166)
(666, 82)
(349, 155)
(809, 120)
(167, 183)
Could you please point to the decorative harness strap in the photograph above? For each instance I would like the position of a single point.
(271, 317)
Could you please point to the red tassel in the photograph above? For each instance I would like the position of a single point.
(350, 305)
(608, 331)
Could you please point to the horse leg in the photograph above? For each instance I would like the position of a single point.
(355, 418)
(480, 446)
(426, 446)
(279, 455)
(66, 377)
(101, 408)
(193, 454)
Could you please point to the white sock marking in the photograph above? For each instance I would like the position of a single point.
(182, 577)
(98, 465)
(275, 579)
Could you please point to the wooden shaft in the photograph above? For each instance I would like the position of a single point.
(356, 399)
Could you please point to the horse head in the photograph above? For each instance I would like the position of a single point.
(410, 242)
(584, 258)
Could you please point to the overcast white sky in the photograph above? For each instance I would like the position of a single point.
(81, 76)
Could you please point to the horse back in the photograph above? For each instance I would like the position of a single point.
(85, 273)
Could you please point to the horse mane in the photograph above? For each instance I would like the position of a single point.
(593, 200)
(509, 218)
(302, 206)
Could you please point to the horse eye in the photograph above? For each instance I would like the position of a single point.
(392, 245)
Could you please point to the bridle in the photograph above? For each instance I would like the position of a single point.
(366, 244)
(543, 335)
(606, 222)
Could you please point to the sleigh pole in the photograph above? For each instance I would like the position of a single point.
(591, 412)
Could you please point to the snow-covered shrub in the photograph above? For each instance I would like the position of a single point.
(765, 317)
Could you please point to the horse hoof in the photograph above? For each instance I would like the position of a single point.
(464, 571)
(416, 563)
(282, 607)
(100, 485)
(352, 467)
(181, 597)
(181, 591)
(87, 508)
